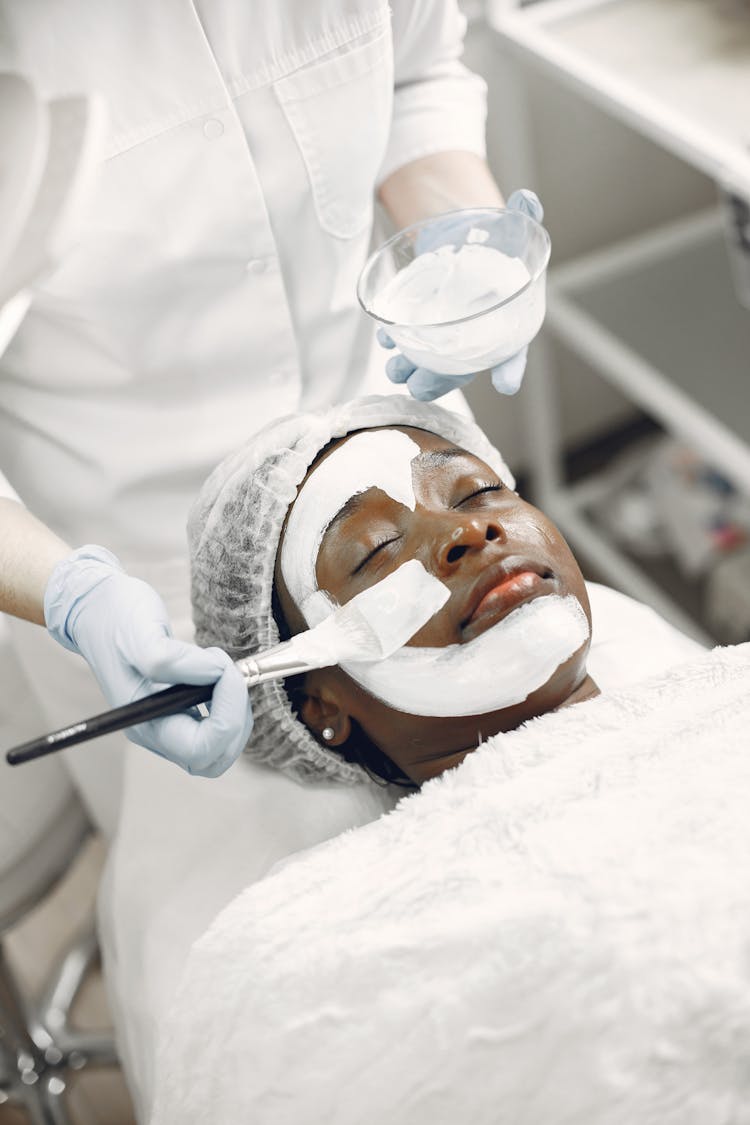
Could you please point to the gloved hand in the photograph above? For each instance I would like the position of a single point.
(119, 625)
(427, 385)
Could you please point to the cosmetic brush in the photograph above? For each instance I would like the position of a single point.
(370, 627)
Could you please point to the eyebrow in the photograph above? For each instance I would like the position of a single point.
(433, 458)
(350, 508)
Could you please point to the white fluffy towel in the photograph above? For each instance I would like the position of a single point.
(555, 933)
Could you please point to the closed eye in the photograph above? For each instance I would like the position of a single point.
(378, 547)
(498, 487)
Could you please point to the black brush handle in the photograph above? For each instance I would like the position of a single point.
(179, 697)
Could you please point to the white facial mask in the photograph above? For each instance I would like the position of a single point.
(497, 669)
(449, 283)
(378, 459)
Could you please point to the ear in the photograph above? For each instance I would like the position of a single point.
(322, 708)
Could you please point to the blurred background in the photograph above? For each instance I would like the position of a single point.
(632, 429)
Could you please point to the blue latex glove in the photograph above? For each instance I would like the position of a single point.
(119, 625)
(427, 385)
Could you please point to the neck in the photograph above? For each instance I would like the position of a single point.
(587, 689)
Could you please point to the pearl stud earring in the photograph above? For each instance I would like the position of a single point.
(328, 733)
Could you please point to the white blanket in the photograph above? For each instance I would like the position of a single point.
(186, 846)
(558, 931)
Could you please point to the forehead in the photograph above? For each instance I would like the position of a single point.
(413, 455)
(427, 441)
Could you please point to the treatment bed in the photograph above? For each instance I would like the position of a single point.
(186, 848)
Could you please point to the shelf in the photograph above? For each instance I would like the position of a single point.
(657, 317)
(678, 71)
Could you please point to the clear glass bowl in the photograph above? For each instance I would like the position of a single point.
(485, 337)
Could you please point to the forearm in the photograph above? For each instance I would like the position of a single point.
(433, 184)
(28, 553)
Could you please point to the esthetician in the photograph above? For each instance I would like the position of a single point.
(211, 290)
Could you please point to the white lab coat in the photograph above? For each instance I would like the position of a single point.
(213, 287)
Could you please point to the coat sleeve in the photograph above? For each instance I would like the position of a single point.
(439, 105)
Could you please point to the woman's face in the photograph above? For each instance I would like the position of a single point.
(491, 549)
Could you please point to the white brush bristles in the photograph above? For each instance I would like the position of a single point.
(377, 622)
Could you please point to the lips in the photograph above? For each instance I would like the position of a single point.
(502, 588)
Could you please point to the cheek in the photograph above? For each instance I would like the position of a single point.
(438, 632)
(569, 570)
(569, 566)
(529, 525)
(324, 576)
(333, 569)
(398, 735)
(534, 526)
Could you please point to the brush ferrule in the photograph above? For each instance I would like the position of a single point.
(274, 664)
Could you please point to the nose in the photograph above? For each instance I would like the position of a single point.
(465, 534)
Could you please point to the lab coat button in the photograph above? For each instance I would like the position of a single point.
(212, 129)
(255, 265)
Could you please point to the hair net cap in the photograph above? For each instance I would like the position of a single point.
(234, 530)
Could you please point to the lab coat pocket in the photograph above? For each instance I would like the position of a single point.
(339, 110)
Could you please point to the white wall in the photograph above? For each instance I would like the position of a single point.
(599, 182)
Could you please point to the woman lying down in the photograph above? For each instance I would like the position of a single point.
(554, 931)
(343, 500)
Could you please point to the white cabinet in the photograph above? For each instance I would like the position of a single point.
(676, 70)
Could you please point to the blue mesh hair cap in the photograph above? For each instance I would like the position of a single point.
(234, 529)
